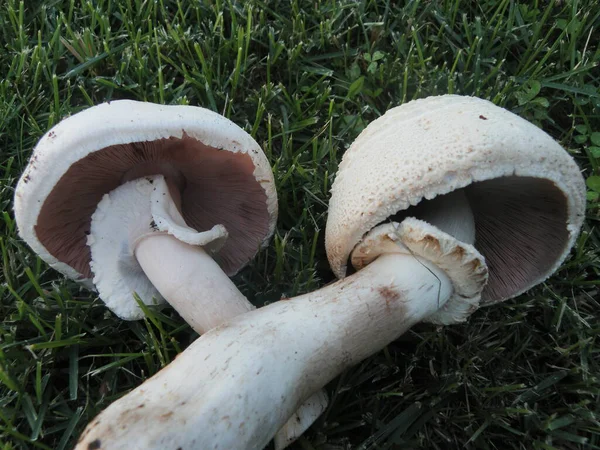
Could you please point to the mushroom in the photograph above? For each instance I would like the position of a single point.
(526, 193)
(163, 201)
(124, 193)
(450, 163)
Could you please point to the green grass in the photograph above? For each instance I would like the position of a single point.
(305, 77)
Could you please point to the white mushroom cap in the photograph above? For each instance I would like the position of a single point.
(526, 192)
(224, 176)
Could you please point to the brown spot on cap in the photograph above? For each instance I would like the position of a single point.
(95, 444)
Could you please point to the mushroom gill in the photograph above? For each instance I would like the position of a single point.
(520, 229)
(218, 188)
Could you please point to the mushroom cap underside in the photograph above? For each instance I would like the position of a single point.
(223, 175)
(526, 192)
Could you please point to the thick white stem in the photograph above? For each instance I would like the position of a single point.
(238, 384)
(196, 287)
(191, 281)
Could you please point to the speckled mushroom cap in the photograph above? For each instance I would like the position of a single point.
(526, 192)
(223, 175)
